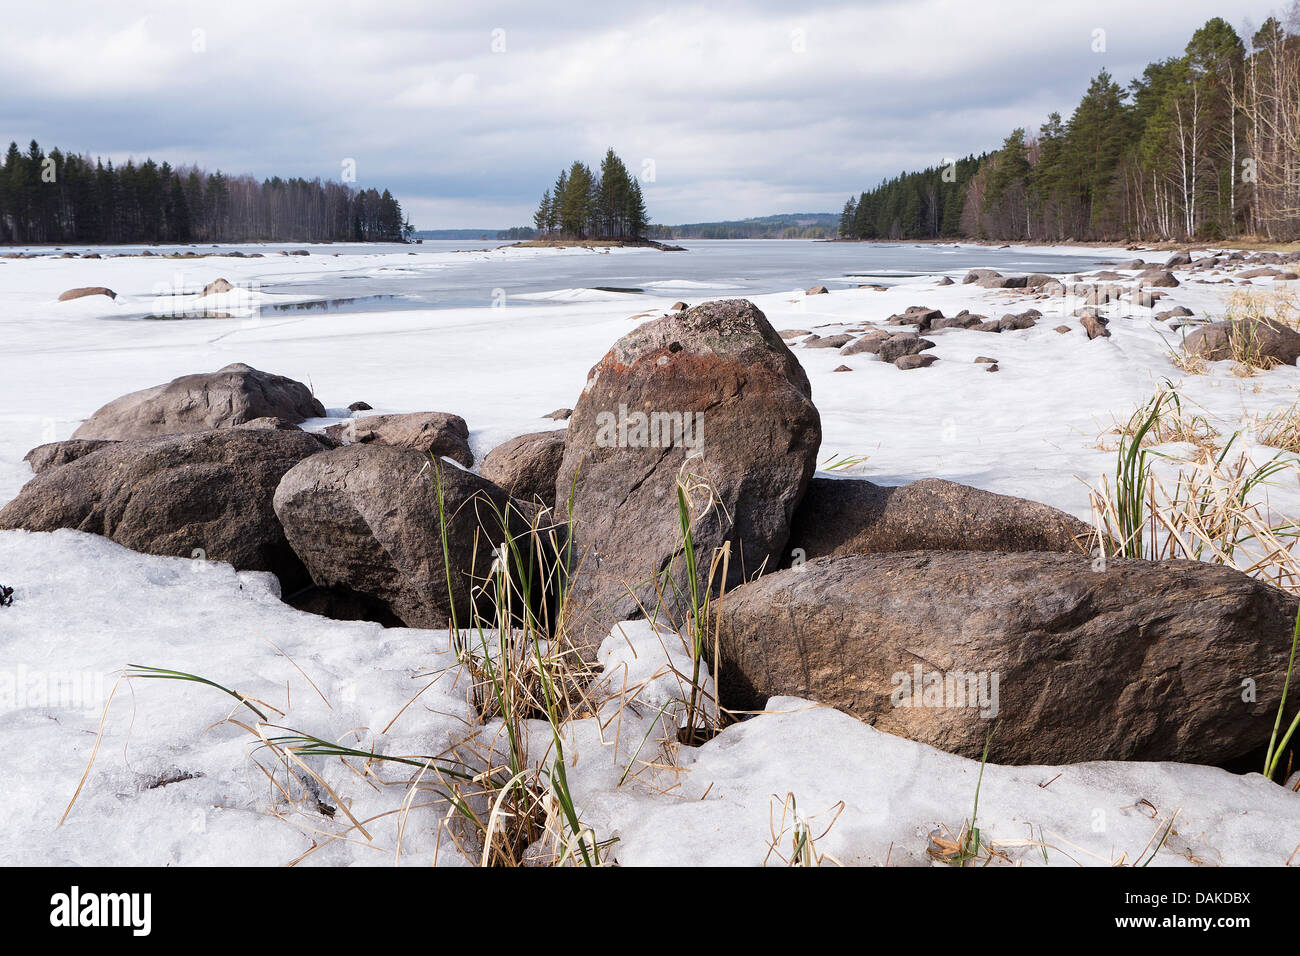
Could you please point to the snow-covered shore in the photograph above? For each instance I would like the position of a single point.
(85, 608)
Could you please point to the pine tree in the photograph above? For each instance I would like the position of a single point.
(637, 218)
(846, 218)
(542, 218)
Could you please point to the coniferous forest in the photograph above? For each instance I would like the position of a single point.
(583, 205)
(62, 197)
(1204, 145)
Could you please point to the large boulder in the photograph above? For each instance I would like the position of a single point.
(709, 399)
(1253, 341)
(434, 433)
(854, 516)
(204, 495)
(365, 520)
(525, 467)
(1074, 661)
(194, 403)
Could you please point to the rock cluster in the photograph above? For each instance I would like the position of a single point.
(931, 610)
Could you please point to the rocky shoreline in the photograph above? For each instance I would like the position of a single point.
(933, 615)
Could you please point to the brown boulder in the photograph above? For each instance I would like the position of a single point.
(206, 494)
(853, 516)
(712, 399)
(1260, 342)
(365, 521)
(526, 467)
(1137, 661)
(193, 403)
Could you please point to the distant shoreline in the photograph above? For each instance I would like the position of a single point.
(1129, 244)
(595, 244)
(208, 245)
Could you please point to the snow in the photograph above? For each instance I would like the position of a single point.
(85, 608)
(88, 607)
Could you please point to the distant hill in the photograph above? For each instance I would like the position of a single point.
(457, 233)
(799, 225)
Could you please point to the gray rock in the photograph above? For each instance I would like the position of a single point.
(830, 342)
(526, 467)
(870, 342)
(854, 516)
(365, 520)
(1260, 342)
(1159, 279)
(44, 457)
(1024, 320)
(193, 403)
(901, 344)
(206, 494)
(434, 433)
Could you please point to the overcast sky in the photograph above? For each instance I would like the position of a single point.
(468, 110)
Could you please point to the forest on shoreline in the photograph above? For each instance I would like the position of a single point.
(586, 205)
(63, 197)
(1205, 145)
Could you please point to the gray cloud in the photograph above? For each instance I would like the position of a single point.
(744, 108)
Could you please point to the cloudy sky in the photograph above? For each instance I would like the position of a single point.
(467, 110)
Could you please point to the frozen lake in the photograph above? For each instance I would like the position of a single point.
(428, 278)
